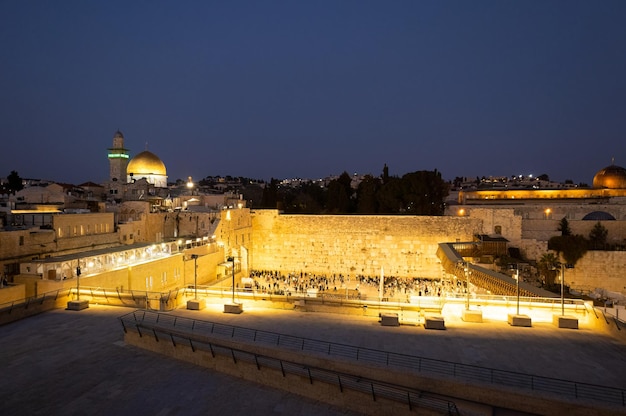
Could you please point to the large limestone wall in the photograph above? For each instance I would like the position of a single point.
(604, 270)
(543, 229)
(403, 246)
(504, 222)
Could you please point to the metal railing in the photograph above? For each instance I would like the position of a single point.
(414, 399)
(424, 302)
(549, 385)
(143, 297)
(34, 300)
(432, 303)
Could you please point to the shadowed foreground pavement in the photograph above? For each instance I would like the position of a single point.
(70, 363)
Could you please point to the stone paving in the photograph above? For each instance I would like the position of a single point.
(76, 363)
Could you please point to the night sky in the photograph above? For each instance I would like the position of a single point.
(309, 89)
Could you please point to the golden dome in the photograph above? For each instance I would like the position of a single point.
(611, 177)
(146, 163)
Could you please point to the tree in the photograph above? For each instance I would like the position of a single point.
(339, 195)
(366, 202)
(598, 236)
(572, 247)
(424, 193)
(14, 182)
(564, 227)
(270, 195)
(385, 176)
(389, 197)
(546, 267)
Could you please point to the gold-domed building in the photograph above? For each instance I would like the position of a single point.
(609, 182)
(611, 177)
(146, 165)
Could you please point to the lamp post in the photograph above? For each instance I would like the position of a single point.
(77, 304)
(195, 303)
(195, 275)
(516, 266)
(562, 295)
(517, 284)
(466, 265)
(78, 281)
(232, 259)
(469, 315)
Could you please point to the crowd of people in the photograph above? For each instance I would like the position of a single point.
(361, 286)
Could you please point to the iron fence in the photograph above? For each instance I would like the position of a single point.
(549, 385)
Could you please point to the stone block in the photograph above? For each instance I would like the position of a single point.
(196, 304)
(233, 308)
(471, 315)
(435, 322)
(564, 321)
(519, 320)
(77, 305)
(389, 319)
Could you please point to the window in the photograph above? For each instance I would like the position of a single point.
(21, 240)
(497, 229)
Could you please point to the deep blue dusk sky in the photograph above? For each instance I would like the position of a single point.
(312, 88)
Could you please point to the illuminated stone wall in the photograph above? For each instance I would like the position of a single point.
(503, 222)
(354, 244)
(161, 275)
(234, 232)
(599, 269)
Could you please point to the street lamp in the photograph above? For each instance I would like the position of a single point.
(195, 304)
(77, 304)
(563, 267)
(233, 307)
(466, 266)
(232, 259)
(562, 320)
(78, 281)
(516, 266)
(195, 275)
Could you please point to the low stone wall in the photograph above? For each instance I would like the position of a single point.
(12, 293)
(320, 391)
(32, 306)
(455, 390)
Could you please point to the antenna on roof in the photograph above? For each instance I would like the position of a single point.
(146, 145)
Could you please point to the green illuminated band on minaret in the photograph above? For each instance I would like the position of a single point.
(117, 155)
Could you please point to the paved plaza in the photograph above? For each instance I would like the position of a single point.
(75, 362)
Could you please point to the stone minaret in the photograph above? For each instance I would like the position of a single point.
(118, 159)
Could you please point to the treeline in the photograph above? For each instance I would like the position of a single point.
(416, 193)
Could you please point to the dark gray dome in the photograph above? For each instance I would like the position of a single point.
(598, 216)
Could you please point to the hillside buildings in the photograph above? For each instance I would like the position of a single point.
(135, 232)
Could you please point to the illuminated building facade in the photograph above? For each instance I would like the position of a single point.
(609, 182)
